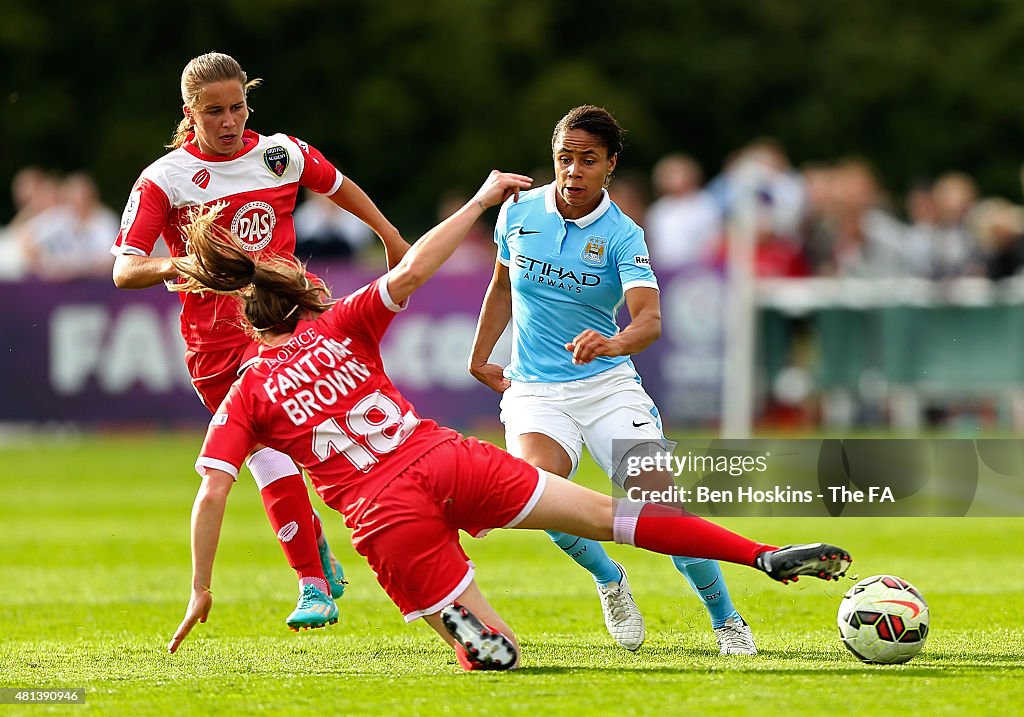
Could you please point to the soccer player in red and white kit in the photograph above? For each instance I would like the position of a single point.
(256, 179)
(405, 485)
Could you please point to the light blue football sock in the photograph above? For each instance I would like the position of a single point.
(706, 579)
(589, 554)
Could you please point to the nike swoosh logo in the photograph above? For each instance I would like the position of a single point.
(637, 425)
(528, 231)
(905, 603)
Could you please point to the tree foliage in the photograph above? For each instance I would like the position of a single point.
(415, 98)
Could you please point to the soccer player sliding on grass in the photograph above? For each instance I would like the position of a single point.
(404, 484)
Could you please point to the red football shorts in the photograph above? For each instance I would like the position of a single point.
(410, 532)
(213, 372)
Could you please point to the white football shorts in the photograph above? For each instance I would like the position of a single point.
(609, 406)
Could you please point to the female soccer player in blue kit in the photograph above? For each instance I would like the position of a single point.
(567, 259)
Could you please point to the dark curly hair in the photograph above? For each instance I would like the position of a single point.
(597, 121)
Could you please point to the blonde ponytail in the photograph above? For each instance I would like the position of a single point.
(181, 133)
(274, 294)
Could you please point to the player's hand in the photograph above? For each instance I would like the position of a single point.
(198, 610)
(490, 375)
(499, 186)
(589, 345)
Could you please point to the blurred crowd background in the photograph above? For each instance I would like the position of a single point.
(828, 218)
(866, 141)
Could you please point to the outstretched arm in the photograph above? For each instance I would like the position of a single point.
(495, 313)
(352, 198)
(207, 517)
(132, 271)
(645, 310)
(434, 247)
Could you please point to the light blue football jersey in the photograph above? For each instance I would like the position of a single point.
(567, 275)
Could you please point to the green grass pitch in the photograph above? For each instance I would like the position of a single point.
(95, 570)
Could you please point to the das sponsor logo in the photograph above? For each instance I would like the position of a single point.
(253, 224)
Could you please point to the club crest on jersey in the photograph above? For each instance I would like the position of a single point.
(254, 224)
(594, 251)
(276, 159)
(201, 178)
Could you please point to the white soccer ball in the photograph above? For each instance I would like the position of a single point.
(883, 620)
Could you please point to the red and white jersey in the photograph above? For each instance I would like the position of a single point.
(259, 186)
(323, 399)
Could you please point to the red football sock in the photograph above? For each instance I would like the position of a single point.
(287, 504)
(286, 501)
(318, 527)
(664, 529)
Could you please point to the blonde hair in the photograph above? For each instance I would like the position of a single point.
(199, 72)
(274, 293)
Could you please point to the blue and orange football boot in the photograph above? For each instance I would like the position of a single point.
(313, 610)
